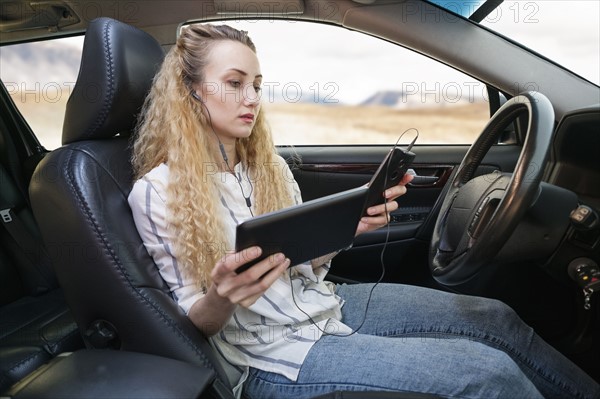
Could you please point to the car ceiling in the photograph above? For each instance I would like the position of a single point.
(457, 42)
(24, 20)
(151, 15)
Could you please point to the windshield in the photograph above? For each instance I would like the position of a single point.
(565, 31)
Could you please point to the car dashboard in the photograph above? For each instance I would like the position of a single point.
(576, 166)
(576, 154)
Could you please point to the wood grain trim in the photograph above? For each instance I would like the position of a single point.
(442, 171)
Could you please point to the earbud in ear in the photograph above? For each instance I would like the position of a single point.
(197, 97)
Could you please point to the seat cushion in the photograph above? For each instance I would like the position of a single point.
(110, 374)
(32, 331)
(16, 362)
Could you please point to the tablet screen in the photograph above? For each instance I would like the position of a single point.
(305, 231)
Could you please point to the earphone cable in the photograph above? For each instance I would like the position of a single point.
(382, 262)
(381, 257)
(226, 160)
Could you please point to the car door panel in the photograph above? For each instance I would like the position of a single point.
(324, 170)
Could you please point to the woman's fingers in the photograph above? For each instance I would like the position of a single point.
(407, 178)
(394, 192)
(378, 221)
(376, 210)
(379, 215)
(233, 260)
(257, 271)
(390, 195)
(261, 285)
(249, 285)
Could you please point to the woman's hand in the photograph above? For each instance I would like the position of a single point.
(379, 215)
(211, 312)
(245, 288)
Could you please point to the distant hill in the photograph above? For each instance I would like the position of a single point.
(401, 100)
(387, 98)
(397, 99)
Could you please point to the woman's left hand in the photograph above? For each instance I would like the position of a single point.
(379, 215)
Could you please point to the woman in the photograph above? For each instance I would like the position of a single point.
(204, 162)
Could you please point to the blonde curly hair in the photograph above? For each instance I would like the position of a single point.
(173, 129)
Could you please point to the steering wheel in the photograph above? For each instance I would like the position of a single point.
(478, 215)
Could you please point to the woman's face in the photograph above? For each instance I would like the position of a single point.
(231, 90)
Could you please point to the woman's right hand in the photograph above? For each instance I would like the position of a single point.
(245, 288)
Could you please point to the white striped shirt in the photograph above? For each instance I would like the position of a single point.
(273, 334)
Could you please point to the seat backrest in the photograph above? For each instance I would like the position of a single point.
(79, 196)
(11, 287)
(26, 269)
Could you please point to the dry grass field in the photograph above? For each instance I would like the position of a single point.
(317, 124)
(308, 123)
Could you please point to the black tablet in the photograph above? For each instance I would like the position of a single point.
(305, 231)
(323, 225)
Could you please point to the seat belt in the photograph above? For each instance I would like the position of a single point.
(15, 227)
(32, 248)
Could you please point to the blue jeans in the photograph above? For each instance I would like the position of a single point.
(420, 340)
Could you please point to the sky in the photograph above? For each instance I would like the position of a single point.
(349, 71)
(566, 31)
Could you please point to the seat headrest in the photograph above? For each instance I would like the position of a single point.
(118, 64)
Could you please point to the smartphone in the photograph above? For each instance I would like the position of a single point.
(389, 174)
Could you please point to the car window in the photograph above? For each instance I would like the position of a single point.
(39, 76)
(535, 23)
(329, 85)
(345, 88)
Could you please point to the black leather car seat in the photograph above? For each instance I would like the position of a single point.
(35, 322)
(79, 196)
